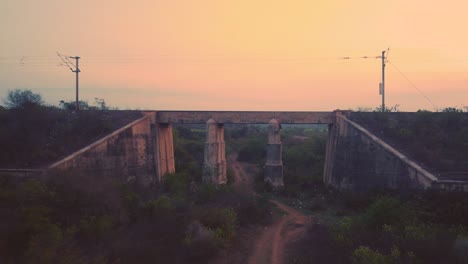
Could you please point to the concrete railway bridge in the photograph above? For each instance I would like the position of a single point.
(355, 158)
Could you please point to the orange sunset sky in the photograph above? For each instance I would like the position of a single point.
(238, 55)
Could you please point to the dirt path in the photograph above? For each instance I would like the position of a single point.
(243, 172)
(271, 244)
(270, 247)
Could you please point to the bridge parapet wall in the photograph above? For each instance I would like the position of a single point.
(359, 160)
(127, 152)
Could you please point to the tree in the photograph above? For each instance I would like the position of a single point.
(451, 110)
(22, 99)
(99, 104)
(394, 108)
(71, 105)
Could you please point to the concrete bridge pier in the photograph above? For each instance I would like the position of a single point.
(164, 150)
(274, 160)
(214, 165)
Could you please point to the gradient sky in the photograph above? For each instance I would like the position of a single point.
(238, 54)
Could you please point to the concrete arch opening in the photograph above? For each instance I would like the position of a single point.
(214, 158)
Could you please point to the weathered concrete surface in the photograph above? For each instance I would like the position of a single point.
(451, 185)
(143, 151)
(358, 160)
(244, 117)
(165, 162)
(214, 165)
(127, 152)
(22, 173)
(274, 161)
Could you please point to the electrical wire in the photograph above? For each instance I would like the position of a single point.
(414, 86)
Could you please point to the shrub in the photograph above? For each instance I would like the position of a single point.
(95, 227)
(222, 220)
(387, 211)
(159, 206)
(365, 255)
(199, 242)
(253, 151)
(177, 183)
(254, 210)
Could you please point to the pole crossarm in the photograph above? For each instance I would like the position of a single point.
(67, 62)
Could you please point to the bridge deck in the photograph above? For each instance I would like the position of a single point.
(244, 117)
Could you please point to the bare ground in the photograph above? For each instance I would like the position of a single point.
(265, 244)
(270, 246)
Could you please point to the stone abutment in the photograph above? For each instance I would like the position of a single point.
(355, 158)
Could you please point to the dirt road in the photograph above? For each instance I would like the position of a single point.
(270, 245)
(244, 173)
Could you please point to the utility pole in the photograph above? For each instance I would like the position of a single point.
(382, 84)
(69, 64)
(77, 71)
(382, 88)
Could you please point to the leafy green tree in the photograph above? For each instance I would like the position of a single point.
(19, 99)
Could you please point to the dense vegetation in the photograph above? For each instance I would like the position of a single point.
(33, 134)
(420, 228)
(72, 218)
(303, 158)
(68, 217)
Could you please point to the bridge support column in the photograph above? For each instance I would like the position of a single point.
(214, 165)
(330, 153)
(274, 161)
(164, 150)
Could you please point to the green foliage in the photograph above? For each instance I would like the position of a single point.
(387, 211)
(222, 220)
(199, 242)
(254, 210)
(94, 228)
(160, 206)
(253, 151)
(303, 159)
(189, 142)
(44, 246)
(365, 255)
(343, 232)
(411, 231)
(207, 193)
(177, 183)
(22, 99)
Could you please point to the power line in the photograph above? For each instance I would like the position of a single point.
(414, 86)
(69, 64)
